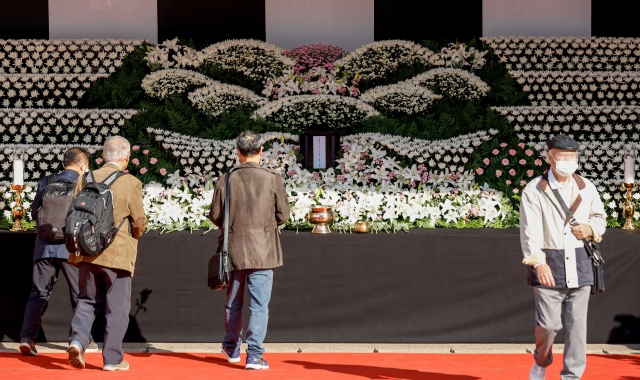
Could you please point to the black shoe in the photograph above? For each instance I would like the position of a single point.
(28, 347)
(76, 355)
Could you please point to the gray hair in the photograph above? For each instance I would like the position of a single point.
(116, 148)
(249, 143)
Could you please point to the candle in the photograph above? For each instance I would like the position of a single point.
(18, 172)
(629, 170)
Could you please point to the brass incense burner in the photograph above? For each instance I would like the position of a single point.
(320, 216)
(362, 227)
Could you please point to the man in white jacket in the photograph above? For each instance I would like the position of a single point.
(559, 267)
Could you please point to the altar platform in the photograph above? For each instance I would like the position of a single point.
(426, 286)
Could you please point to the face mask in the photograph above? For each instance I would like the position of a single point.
(566, 168)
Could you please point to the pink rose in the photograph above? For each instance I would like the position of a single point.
(522, 162)
(163, 171)
(516, 190)
(125, 171)
(521, 145)
(503, 145)
(528, 152)
(508, 182)
(153, 160)
(530, 173)
(99, 161)
(498, 173)
(145, 152)
(486, 161)
(495, 151)
(505, 161)
(538, 162)
(135, 147)
(143, 170)
(135, 161)
(512, 172)
(512, 152)
(523, 182)
(479, 171)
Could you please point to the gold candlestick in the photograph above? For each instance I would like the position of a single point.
(18, 209)
(629, 209)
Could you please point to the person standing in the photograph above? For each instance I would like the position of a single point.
(559, 267)
(105, 279)
(50, 256)
(258, 204)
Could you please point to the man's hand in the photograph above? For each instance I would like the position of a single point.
(544, 275)
(582, 231)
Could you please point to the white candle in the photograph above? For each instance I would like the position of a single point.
(18, 172)
(629, 170)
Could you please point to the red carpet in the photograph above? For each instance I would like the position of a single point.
(315, 366)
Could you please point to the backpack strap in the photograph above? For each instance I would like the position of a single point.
(88, 178)
(112, 178)
(51, 178)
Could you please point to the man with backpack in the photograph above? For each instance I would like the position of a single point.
(50, 255)
(104, 222)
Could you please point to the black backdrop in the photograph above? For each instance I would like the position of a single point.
(428, 286)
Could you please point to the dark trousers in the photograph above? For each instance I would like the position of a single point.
(45, 277)
(111, 288)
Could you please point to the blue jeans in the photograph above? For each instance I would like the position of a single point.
(259, 282)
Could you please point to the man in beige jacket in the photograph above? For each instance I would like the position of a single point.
(105, 279)
(559, 267)
(258, 204)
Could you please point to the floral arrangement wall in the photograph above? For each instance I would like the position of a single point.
(432, 135)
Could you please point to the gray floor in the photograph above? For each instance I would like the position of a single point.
(347, 348)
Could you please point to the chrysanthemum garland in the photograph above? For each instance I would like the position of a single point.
(302, 111)
(161, 83)
(401, 98)
(381, 59)
(455, 83)
(253, 59)
(216, 98)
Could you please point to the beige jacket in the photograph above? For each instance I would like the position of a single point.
(543, 224)
(258, 204)
(127, 203)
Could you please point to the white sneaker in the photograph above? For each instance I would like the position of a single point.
(537, 373)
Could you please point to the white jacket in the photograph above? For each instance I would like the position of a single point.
(543, 224)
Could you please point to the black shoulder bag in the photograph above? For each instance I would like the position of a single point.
(593, 250)
(219, 263)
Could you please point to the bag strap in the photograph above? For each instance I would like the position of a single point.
(572, 220)
(225, 244)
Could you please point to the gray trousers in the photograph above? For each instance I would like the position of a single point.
(549, 306)
(101, 286)
(45, 277)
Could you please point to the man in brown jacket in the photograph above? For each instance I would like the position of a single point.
(105, 279)
(258, 204)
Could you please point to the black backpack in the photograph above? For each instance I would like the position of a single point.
(89, 228)
(56, 199)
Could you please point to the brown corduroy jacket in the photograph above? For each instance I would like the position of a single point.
(127, 203)
(258, 204)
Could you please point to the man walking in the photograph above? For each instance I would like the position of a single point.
(559, 267)
(50, 256)
(105, 279)
(258, 204)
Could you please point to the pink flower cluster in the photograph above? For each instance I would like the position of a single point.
(310, 56)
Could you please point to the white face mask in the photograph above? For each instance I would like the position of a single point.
(566, 168)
